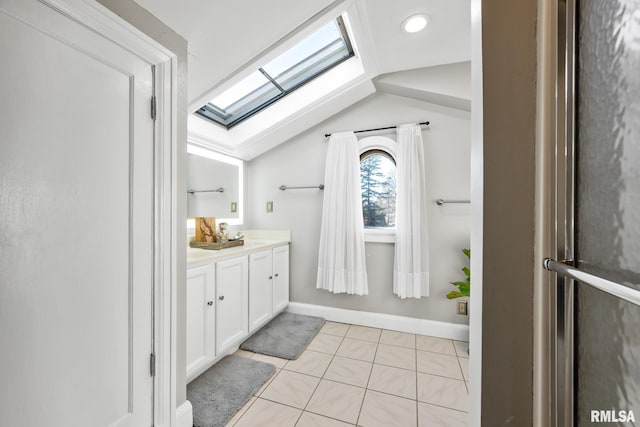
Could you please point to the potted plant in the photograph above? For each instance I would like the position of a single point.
(464, 287)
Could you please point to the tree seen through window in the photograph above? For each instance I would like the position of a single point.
(378, 186)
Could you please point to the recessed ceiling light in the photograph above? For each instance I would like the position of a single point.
(415, 23)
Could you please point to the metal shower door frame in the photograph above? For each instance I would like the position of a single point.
(565, 268)
(563, 315)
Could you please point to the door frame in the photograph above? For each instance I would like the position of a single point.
(563, 246)
(96, 17)
(555, 210)
(477, 209)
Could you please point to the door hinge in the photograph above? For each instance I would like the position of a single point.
(153, 107)
(152, 364)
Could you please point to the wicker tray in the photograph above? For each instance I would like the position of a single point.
(217, 245)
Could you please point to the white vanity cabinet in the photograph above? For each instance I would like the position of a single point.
(232, 290)
(268, 285)
(201, 329)
(231, 294)
(280, 294)
(260, 288)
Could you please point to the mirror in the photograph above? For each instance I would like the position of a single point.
(214, 184)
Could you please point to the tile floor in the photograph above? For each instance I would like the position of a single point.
(358, 376)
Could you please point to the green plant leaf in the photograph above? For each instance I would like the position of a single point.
(454, 294)
(466, 271)
(464, 287)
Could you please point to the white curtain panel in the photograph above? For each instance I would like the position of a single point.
(341, 258)
(411, 263)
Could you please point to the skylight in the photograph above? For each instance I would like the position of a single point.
(317, 53)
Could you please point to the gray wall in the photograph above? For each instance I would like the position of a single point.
(509, 105)
(154, 28)
(301, 161)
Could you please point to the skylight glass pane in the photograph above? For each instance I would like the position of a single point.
(312, 66)
(243, 88)
(303, 62)
(251, 92)
(314, 43)
(261, 96)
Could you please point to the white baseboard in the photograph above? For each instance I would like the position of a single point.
(184, 415)
(433, 328)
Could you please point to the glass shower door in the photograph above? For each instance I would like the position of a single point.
(607, 227)
(597, 312)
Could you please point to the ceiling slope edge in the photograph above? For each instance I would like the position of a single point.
(304, 120)
(214, 137)
(447, 85)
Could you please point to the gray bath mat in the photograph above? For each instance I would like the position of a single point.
(223, 389)
(286, 336)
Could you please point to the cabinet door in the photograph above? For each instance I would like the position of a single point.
(232, 317)
(200, 318)
(280, 278)
(260, 284)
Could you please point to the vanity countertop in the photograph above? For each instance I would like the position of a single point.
(254, 240)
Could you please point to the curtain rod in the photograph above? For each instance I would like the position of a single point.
(327, 135)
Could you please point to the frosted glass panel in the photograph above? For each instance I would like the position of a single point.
(608, 205)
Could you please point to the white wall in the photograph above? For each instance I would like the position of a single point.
(301, 160)
(448, 85)
(209, 174)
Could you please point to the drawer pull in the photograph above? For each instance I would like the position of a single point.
(276, 274)
(209, 302)
(270, 277)
(221, 297)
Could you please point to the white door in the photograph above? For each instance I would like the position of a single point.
(76, 209)
(260, 285)
(232, 318)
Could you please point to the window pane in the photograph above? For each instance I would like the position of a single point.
(303, 62)
(378, 185)
(250, 93)
(311, 56)
(310, 67)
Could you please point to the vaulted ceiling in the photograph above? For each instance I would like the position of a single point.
(226, 37)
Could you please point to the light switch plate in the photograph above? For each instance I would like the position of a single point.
(234, 207)
(269, 206)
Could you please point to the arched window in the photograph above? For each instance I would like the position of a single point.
(378, 186)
